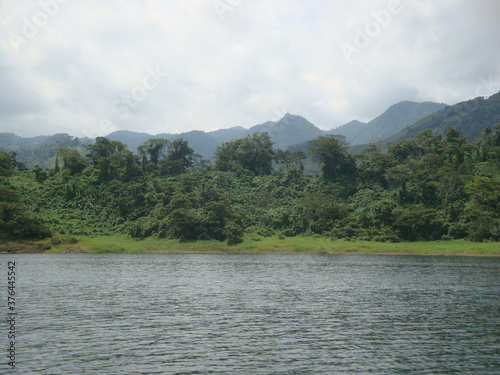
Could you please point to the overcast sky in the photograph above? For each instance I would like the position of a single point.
(89, 67)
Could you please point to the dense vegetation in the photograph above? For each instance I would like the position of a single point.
(432, 187)
(469, 118)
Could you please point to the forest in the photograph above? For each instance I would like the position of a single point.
(432, 187)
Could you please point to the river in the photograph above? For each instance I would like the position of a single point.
(253, 314)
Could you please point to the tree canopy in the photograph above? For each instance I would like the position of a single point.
(253, 153)
(330, 152)
(432, 187)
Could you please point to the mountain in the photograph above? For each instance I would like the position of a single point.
(351, 131)
(226, 135)
(201, 142)
(40, 150)
(130, 138)
(395, 118)
(400, 121)
(288, 130)
(469, 118)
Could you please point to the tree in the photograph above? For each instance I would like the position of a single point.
(330, 152)
(111, 158)
(6, 168)
(453, 146)
(124, 165)
(449, 187)
(482, 213)
(103, 148)
(372, 165)
(152, 151)
(404, 150)
(417, 223)
(16, 222)
(8, 163)
(288, 160)
(428, 141)
(70, 160)
(253, 153)
(180, 157)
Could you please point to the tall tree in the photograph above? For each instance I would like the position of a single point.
(103, 148)
(330, 152)
(70, 159)
(152, 151)
(288, 160)
(109, 156)
(6, 164)
(372, 165)
(180, 157)
(253, 153)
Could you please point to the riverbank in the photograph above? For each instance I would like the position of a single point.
(253, 244)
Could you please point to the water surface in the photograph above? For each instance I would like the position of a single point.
(255, 314)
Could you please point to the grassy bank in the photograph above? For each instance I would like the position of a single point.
(302, 245)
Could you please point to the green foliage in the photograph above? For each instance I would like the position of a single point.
(16, 222)
(6, 168)
(483, 210)
(469, 118)
(71, 160)
(180, 157)
(430, 188)
(253, 153)
(151, 152)
(330, 152)
(39, 150)
(417, 223)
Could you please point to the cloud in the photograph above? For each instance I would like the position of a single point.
(82, 67)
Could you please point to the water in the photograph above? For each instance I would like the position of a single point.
(254, 314)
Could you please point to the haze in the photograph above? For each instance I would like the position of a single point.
(88, 68)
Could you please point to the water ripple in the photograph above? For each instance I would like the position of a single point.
(257, 314)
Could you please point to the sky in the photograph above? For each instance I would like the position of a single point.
(91, 67)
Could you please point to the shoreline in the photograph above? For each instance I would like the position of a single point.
(251, 245)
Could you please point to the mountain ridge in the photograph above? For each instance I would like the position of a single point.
(392, 120)
(287, 133)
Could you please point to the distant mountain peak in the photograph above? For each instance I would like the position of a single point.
(394, 119)
(290, 116)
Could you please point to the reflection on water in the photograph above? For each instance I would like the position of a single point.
(257, 314)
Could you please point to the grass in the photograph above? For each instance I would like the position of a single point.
(254, 244)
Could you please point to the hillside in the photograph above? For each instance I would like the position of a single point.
(230, 134)
(289, 130)
(293, 130)
(419, 191)
(203, 143)
(400, 121)
(469, 118)
(40, 150)
(394, 119)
